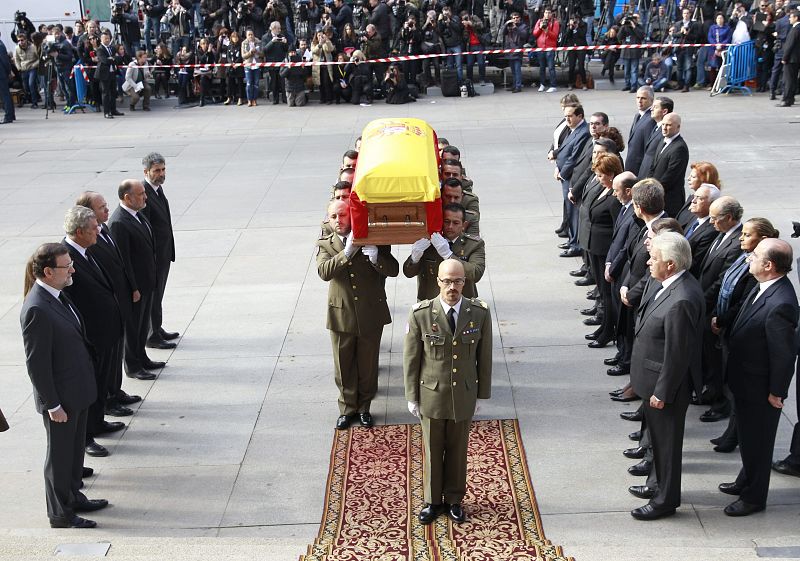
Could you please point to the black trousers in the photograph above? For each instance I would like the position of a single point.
(115, 376)
(790, 82)
(156, 309)
(666, 435)
(794, 450)
(136, 330)
(235, 85)
(325, 85)
(109, 89)
(757, 425)
(63, 465)
(598, 268)
(103, 371)
(576, 58)
(276, 84)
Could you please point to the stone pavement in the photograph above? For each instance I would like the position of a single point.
(227, 456)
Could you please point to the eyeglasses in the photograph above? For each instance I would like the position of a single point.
(452, 282)
(67, 266)
(595, 124)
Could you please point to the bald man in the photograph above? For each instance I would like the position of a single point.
(669, 164)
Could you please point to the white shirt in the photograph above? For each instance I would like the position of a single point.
(667, 282)
(79, 248)
(728, 234)
(457, 308)
(132, 212)
(668, 139)
(763, 286)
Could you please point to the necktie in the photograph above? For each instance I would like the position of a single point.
(716, 244)
(64, 300)
(143, 221)
(451, 320)
(621, 213)
(692, 228)
(107, 238)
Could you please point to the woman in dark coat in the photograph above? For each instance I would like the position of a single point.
(235, 77)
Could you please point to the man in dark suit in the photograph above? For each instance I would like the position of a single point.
(59, 363)
(93, 295)
(157, 213)
(107, 255)
(661, 107)
(700, 231)
(791, 60)
(670, 162)
(760, 366)
(641, 129)
(725, 214)
(566, 158)
(134, 238)
(106, 75)
(5, 92)
(667, 334)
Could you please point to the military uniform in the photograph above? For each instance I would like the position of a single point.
(473, 215)
(357, 312)
(467, 248)
(446, 374)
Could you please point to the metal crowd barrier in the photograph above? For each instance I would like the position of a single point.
(738, 67)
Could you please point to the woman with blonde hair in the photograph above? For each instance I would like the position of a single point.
(322, 51)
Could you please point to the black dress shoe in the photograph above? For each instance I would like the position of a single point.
(563, 245)
(106, 116)
(625, 398)
(589, 311)
(590, 336)
(107, 427)
(591, 295)
(585, 281)
(772, 97)
(617, 371)
(641, 469)
(154, 364)
(649, 512)
(613, 361)
(117, 410)
(642, 491)
(74, 522)
(117, 113)
(562, 234)
(716, 440)
(141, 375)
(87, 472)
(618, 391)
(579, 272)
(90, 505)
(712, 416)
(560, 231)
(634, 416)
(730, 488)
(786, 468)
(594, 320)
(597, 344)
(635, 454)
(783, 104)
(126, 399)
(574, 252)
(365, 419)
(159, 344)
(726, 446)
(429, 513)
(169, 335)
(343, 422)
(636, 435)
(741, 508)
(456, 513)
(95, 450)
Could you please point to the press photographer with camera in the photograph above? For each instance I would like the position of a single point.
(452, 33)
(546, 32)
(396, 87)
(248, 16)
(275, 47)
(431, 44)
(475, 39)
(179, 19)
(515, 35)
(410, 45)
(214, 14)
(22, 25)
(686, 32)
(381, 17)
(360, 81)
(322, 50)
(60, 51)
(275, 10)
(631, 33)
(26, 59)
(341, 14)
(125, 16)
(153, 10)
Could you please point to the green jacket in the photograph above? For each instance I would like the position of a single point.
(471, 203)
(356, 295)
(446, 374)
(469, 249)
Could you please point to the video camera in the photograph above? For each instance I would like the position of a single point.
(22, 25)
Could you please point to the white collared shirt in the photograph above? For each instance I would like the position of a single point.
(55, 293)
(457, 307)
(79, 248)
(665, 284)
(763, 286)
(132, 212)
(728, 234)
(669, 139)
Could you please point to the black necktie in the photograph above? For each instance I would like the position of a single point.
(451, 319)
(143, 221)
(64, 300)
(716, 244)
(621, 213)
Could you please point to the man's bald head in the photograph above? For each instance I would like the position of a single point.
(339, 217)
(451, 279)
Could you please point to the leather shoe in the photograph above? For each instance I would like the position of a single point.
(784, 104)
(456, 513)
(582, 272)
(649, 512)
(642, 491)
(589, 311)
(590, 336)
(712, 416)
(95, 450)
(154, 364)
(641, 469)
(585, 281)
(562, 234)
(636, 435)
(597, 344)
(613, 361)
(105, 116)
(730, 488)
(87, 472)
(625, 398)
(429, 513)
(366, 419)
(784, 467)
(74, 522)
(574, 252)
(618, 391)
(107, 427)
(563, 245)
(617, 371)
(741, 508)
(117, 114)
(592, 294)
(634, 416)
(594, 320)
(126, 399)
(169, 335)
(717, 440)
(90, 505)
(141, 375)
(159, 344)
(117, 410)
(635, 454)
(343, 422)
(726, 446)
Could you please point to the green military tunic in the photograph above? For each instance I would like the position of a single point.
(473, 213)
(469, 249)
(445, 374)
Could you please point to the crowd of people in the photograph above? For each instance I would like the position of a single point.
(693, 293)
(93, 305)
(156, 35)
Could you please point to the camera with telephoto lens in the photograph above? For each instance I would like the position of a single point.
(20, 16)
(543, 23)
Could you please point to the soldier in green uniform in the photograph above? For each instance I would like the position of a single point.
(453, 192)
(340, 192)
(357, 312)
(447, 366)
(426, 254)
(452, 153)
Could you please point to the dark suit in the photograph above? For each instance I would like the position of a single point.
(700, 241)
(667, 336)
(633, 275)
(650, 148)
(566, 159)
(92, 293)
(624, 229)
(135, 242)
(106, 75)
(157, 212)
(762, 349)
(59, 363)
(791, 60)
(684, 215)
(603, 209)
(669, 168)
(637, 141)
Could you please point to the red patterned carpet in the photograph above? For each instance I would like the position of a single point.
(375, 492)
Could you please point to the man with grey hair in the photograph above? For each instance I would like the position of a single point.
(158, 214)
(670, 162)
(700, 231)
(641, 129)
(667, 337)
(92, 293)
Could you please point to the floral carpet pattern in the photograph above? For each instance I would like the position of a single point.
(374, 493)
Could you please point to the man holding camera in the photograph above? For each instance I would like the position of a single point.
(631, 33)
(153, 11)
(546, 34)
(686, 32)
(275, 48)
(179, 19)
(515, 35)
(380, 17)
(123, 15)
(452, 33)
(63, 55)
(341, 14)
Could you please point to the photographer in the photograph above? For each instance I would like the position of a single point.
(248, 16)
(295, 78)
(275, 47)
(63, 55)
(252, 55)
(274, 11)
(372, 46)
(22, 25)
(309, 12)
(123, 15)
(214, 13)
(475, 39)
(360, 79)
(322, 51)
(546, 32)
(26, 59)
(160, 63)
(179, 19)
(137, 84)
(380, 17)
(452, 32)
(659, 25)
(431, 44)
(575, 36)
(341, 14)
(656, 74)
(610, 56)
(631, 33)
(410, 45)
(515, 35)
(396, 87)
(686, 32)
(153, 10)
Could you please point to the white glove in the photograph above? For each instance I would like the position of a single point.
(371, 251)
(418, 248)
(349, 250)
(442, 245)
(413, 408)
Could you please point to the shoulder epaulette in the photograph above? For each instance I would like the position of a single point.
(323, 236)
(480, 303)
(421, 305)
(472, 237)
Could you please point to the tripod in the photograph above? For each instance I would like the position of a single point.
(49, 100)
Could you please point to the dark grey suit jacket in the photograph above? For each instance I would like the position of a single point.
(714, 265)
(669, 168)
(637, 139)
(135, 243)
(650, 147)
(700, 242)
(158, 213)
